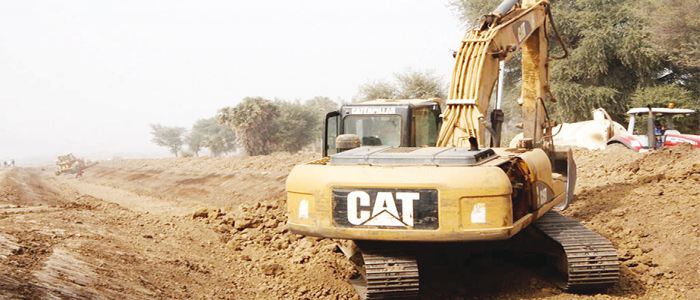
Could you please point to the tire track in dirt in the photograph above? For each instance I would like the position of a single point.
(130, 200)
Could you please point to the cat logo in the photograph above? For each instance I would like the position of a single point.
(384, 212)
(385, 208)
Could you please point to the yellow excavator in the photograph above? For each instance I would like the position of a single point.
(69, 164)
(400, 178)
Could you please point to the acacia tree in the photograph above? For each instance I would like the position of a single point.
(208, 133)
(406, 85)
(377, 90)
(320, 106)
(170, 137)
(254, 121)
(419, 85)
(194, 140)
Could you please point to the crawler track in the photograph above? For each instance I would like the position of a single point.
(589, 260)
(388, 274)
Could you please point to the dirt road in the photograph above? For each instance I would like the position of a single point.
(214, 228)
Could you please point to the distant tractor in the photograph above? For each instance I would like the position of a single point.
(660, 129)
(69, 164)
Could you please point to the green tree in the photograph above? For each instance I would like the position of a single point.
(614, 51)
(254, 121)
(674, 29)
(320, 106)
(297, 125)
(170, 137)
(610, 57)
(208, 133)
(674, 32)
(662, 95)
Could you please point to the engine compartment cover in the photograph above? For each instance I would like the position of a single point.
(411, 156)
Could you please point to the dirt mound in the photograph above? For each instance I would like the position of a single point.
(222, 182)
(294, 267)
(648, 205)
(21, 188)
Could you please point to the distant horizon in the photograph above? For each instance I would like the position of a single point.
(90, 76)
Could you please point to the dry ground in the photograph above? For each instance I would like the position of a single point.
(208, 228)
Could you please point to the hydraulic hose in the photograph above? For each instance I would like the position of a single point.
(462, 115)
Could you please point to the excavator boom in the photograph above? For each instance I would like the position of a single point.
(511, 27)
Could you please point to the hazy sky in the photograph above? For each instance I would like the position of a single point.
(89, 76)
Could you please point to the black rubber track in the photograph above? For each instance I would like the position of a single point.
(388, 275)
(589, 259)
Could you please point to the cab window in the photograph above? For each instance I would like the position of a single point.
(375, 130)
(425, 127)
(330, 132)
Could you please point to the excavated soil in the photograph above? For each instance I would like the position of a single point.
(649, 206)
(214, 228)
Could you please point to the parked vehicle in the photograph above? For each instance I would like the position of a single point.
(660, 129)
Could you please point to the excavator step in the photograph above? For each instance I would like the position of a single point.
(590, 259)
(388, 275)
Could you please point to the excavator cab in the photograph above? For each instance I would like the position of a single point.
(395, 123)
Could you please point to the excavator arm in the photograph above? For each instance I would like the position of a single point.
(511, 27)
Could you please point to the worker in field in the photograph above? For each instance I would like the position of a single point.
(659, 130)
(80, 166)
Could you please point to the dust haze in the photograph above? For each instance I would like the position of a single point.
(90, 76)
(313, 150)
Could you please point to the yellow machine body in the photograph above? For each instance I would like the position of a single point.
(484, 200)
(473, 202)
